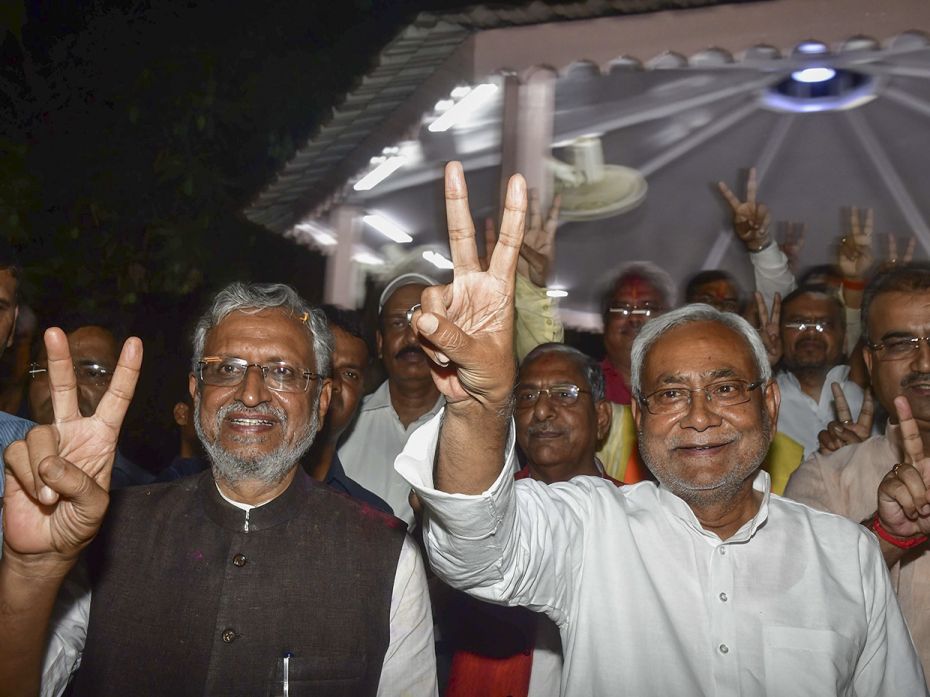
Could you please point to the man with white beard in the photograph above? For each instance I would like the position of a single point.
(249, 579)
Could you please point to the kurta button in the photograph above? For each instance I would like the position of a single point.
(724, 648)
(239, 560)
(723, 597)
(722, 549)
(229, 636)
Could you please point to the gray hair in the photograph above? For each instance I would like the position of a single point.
(698, 312)
(252, 298)
(589, 367)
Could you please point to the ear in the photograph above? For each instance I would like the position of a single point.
(637, 411)
(9, 342)
(867, 357)
(192, 387)
(182, 414)
(326, 393)
(379, 340)
(603, 411)
(772, 400)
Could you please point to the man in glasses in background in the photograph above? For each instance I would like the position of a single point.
(640, 290)
(725, 588)
(94, 350)
(812, 334)
(896, 320)
(248, 579)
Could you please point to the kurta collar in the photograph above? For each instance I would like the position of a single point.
(268, 515)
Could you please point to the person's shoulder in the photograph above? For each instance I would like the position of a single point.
(345, 508)
(155, 493)
(841, 458)
(13, 428)
(822, 524)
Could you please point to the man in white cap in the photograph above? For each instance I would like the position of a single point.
(403, 402)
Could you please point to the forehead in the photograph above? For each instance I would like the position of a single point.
(720, 288)
(636, 289)
(348, 349)
(553, 368)
(899, 312)
(404, 298)
(92, 343)
(811, 306)
(266, 335)
(698, 351)
(7, 285)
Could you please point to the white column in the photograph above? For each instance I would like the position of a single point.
(343, 278)
(526, 138)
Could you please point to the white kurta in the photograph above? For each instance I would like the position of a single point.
(797, 602)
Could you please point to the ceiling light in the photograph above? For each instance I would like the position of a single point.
(811, 48)
(443, 105)
(460, 91)
(811, 75)
(388, 228)
(380, 173)
(474, 99)
(437, 260)
(557, 293)
(367, 257)
(322, 235)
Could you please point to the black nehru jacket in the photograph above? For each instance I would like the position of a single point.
(192, 596)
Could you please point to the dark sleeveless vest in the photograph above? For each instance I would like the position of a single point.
(193, 597)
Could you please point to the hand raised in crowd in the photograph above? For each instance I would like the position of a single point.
(770, 326)
(537, 253)
(893, 259)
(903, 502)
(57, 478)
(855, 251)
(791, 241)
(750, 219)
(844, 430)
(466, 327)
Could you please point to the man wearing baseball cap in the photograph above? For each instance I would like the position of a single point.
(403, 402)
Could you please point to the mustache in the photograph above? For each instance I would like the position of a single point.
(263, 409)
(410, 350)
(915, 379)
(536, 429)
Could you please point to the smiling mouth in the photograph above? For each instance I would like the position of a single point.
(251, 422)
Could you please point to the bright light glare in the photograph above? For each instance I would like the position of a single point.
(474, 99)
(443, 105)
(388, 228)
(813, 75)
(322, 236)
(367, 258)
(460, 91)
(380, 173)
(437, 260)
(811, 47)
(557, 293)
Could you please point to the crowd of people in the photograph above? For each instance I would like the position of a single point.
(734, 500)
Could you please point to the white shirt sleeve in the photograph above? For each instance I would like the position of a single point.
(772, 275)
(67, 634)
(491, 546)
(409, 668)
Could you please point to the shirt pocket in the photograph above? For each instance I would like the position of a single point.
(328, 675)
(801, 661)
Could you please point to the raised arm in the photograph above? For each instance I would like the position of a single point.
(55, 500)
(467, 327)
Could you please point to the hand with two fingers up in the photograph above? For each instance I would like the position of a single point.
(57, 478)
(844, 430)
(903, 516)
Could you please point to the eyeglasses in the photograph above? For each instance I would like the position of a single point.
(818, 325)
(561, 395)
(220, 371)
(898, 348)
(677, 400)
(85, 373)
(625, 310)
